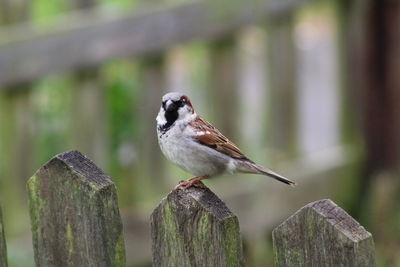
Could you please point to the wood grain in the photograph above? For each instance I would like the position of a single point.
(74, 214)
(193, 227)
(86, 39)
(322, 234)
(282, 100)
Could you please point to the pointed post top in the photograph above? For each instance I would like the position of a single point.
(193, 227)
(322, 234)
(74, 214)
(80, 164)
(203, 197)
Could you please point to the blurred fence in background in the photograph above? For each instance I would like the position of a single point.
(268, 74)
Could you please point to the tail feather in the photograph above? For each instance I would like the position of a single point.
(251, 167)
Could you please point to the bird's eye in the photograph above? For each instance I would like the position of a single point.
(180, 103)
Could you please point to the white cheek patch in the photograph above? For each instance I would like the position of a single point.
(161, 117)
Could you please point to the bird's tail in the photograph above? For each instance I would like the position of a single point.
(251, 167)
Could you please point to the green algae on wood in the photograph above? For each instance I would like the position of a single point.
(322, 234)
(74, 214)
(193, 227)
(3, 247)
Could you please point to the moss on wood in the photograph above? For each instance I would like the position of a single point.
(74, 214)
(193, 227)
(322, 234)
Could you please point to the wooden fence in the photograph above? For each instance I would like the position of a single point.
(74, 214)
(75, 222)
(89, 40)
(193, 227)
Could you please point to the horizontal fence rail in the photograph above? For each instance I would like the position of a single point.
(94, 39)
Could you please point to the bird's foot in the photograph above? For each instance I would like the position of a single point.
(195, 181)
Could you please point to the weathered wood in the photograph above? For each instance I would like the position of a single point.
(11, 186)
(3, 247)
(14, 11)
(322, 234)
(350, 21)
(282, 130)
(88, 128)
(87, 40)
(16, 141)
(376, 67)
(193, 227)
(153, 83)
(251, 54)
(373, 51)
(74, 214)
(23, 139)
(88, 124)
(224, 85)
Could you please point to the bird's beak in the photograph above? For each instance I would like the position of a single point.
(170, 106)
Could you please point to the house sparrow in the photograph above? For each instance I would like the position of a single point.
(197, 147)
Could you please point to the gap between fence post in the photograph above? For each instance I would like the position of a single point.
(3, 247)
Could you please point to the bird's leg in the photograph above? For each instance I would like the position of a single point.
(195, 181)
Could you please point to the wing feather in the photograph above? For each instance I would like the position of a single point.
(214, 139)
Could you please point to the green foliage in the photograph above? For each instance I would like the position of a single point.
(44, 11)
(50, 106)
(121, 3)
(121, 92)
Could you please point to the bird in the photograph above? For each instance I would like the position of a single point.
(196, 146)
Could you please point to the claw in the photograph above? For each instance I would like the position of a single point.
(196, 182)
(199, 184)
(181, 185)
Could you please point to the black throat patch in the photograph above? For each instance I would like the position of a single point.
(171, 117)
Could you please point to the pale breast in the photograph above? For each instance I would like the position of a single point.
(191, 156)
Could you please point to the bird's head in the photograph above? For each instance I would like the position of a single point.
(175, 107)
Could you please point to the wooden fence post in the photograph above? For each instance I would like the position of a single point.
(282, 98)
(193, 227)
(322, 234)
(88, 125)
(74, 214)
(152, 75)
(3, 247)
(224, 85)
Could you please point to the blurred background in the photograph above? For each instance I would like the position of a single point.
(308, 88)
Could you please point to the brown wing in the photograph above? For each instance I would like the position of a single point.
(215, 140)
